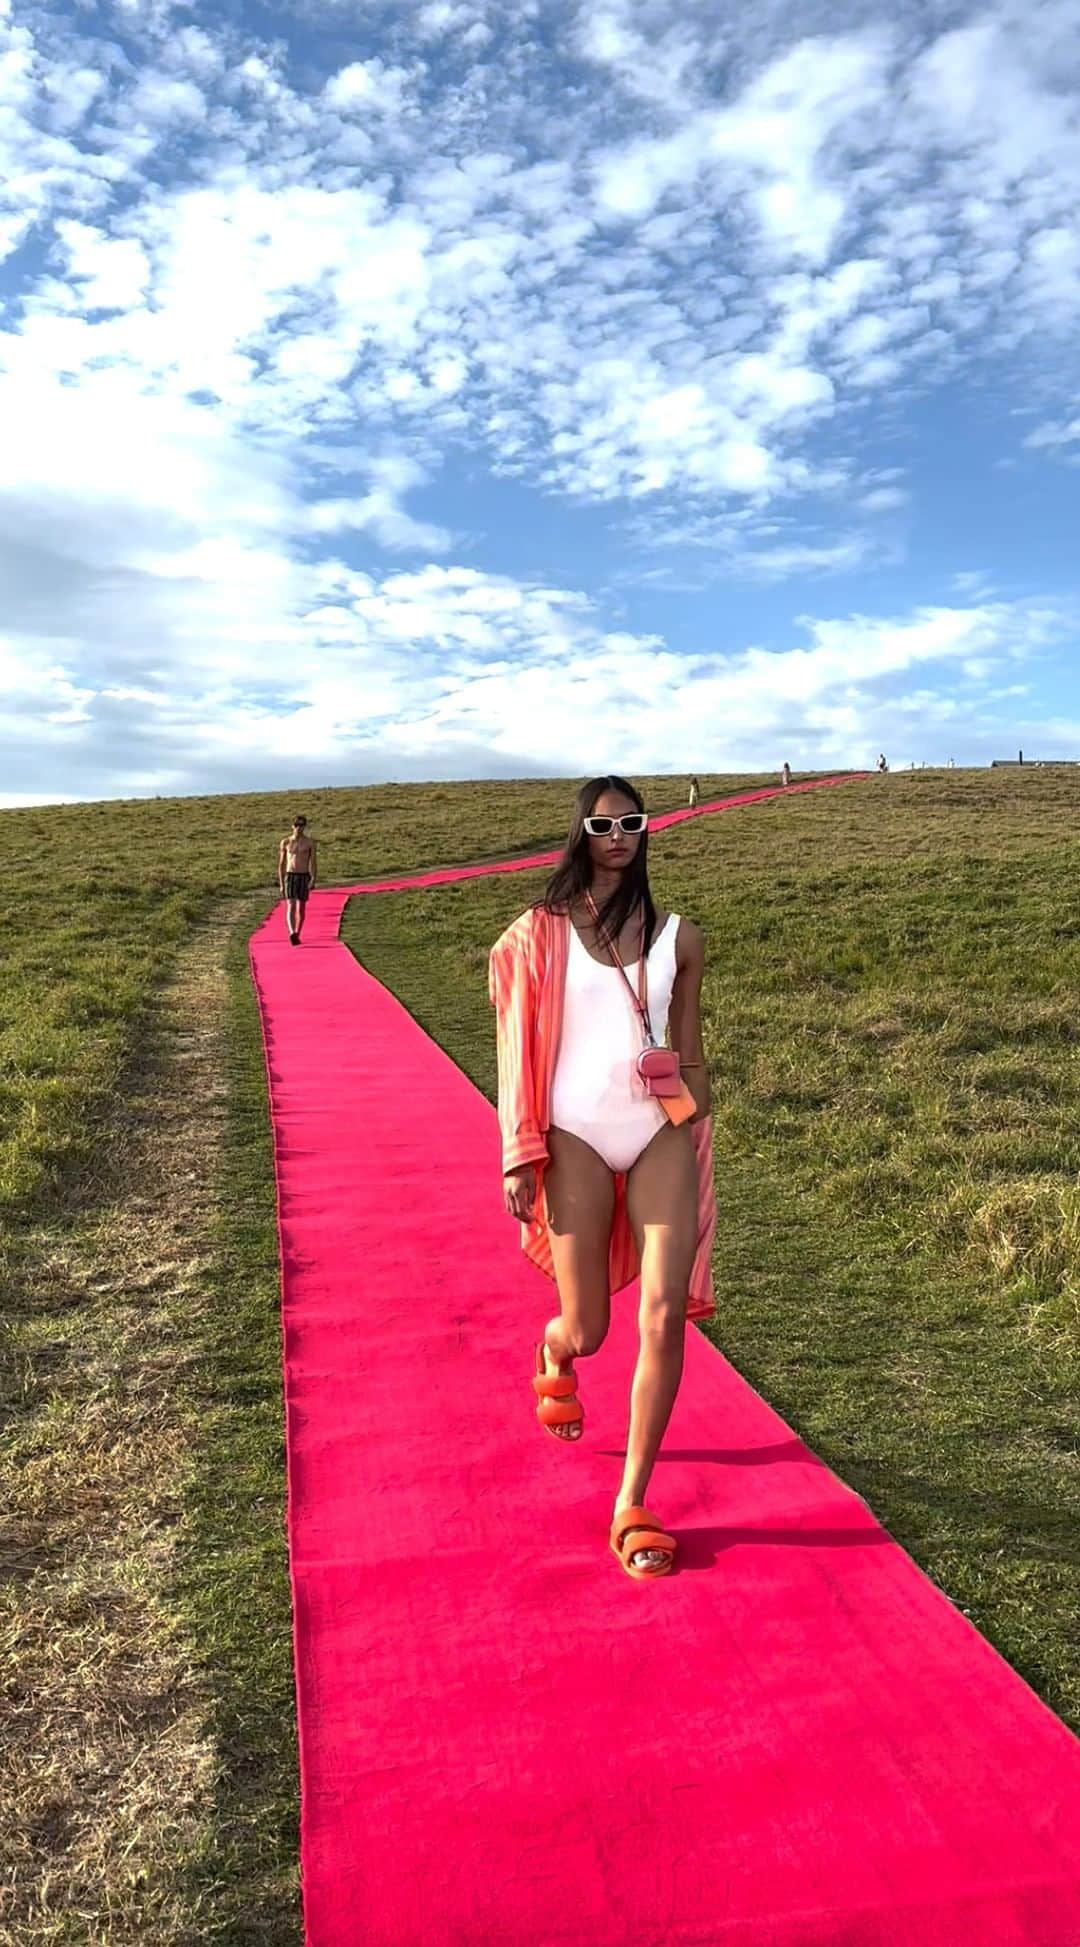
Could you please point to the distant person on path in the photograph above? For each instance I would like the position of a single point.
(695, 792)
(785, 774)
(581, 983)
(296, 875)
(881, 766)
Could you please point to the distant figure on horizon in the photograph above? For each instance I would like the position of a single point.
(695, 792)
(882, 763)
(296, 875)
(951, 764)
(785, 774)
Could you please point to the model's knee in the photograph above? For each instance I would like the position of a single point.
(584, 1340)
(663, 1312)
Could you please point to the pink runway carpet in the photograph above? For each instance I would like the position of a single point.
(793, 1741)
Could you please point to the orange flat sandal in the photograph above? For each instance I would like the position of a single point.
(557, 1403)
(647, 1533)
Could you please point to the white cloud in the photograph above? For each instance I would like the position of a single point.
(1063, 439)
(803, 558)
(160, 98)
(367, 88)
(108, 273)
(380, 510)
(463, 19)
(649, 64)
(975, 584)
(357, 83)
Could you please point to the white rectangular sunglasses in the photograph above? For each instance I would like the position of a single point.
(631, 823)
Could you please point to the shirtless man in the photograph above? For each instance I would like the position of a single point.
(296, 875)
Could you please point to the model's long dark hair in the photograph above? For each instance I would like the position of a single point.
(573, 874)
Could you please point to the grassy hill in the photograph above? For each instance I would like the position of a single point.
(890, 1020)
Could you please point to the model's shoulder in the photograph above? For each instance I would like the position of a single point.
(523, 931)
(533, 935)
(690, 939)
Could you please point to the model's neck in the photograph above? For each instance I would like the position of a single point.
(604, 884)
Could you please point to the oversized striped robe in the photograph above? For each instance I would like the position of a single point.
(527, 982)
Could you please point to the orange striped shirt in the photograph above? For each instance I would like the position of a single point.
(526, 982)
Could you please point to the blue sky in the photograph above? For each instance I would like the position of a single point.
(458, 388)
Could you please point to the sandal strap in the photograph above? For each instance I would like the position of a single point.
(645, 1529)
(551, 1386)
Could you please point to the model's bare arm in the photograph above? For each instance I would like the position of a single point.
(684, 1017)
(311, 888)
(281, 864)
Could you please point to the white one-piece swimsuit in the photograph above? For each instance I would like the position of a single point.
(596, 1092)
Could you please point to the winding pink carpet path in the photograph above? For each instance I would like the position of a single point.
(794, 1741)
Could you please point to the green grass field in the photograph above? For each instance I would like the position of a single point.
(890, 1020)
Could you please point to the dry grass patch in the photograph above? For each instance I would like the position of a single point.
(1021, 1239)
(110, 1761)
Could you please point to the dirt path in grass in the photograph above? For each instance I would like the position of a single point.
(108, 1767)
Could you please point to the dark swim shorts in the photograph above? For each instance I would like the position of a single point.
(297, 885)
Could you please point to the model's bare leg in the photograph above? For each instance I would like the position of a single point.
(661, 1199)
(579, 1194)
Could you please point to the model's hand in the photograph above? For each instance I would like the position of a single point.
(519, 1193)
(698, 1082)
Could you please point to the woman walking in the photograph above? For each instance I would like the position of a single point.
(606, 1137)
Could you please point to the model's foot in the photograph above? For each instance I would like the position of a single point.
(647, 1558)
(571, 1430)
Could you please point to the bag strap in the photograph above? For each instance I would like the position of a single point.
(641, 998)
